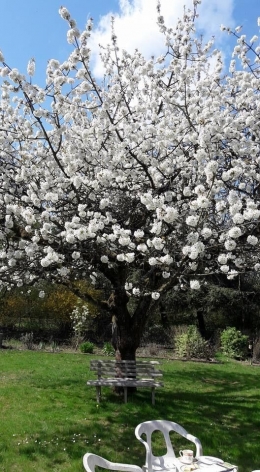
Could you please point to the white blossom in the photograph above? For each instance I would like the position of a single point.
(64, 271)
(238, 218)
(253, 240)
(142, 247)
(11, 262)
(153, 261)
(75, 255)
(193, 266)
(130, 257)
(222, 259)
(235, 232)
(232, 274)
(104, 259)
(155, 295)
(254, 39)
(206, 233)
(124, 240)
(64, 13)
(203, 202)
(167, 259)
(31, 67)
(120, 257)
(170, 215)
(192, 220)
(136, 291)
(138, 234)
(194, 285)
(230, 244)
(158, 243)
(70, 238)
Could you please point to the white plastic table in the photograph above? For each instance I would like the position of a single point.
(200, 466)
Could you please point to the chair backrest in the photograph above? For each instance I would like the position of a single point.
(148, 427)
(90, 461)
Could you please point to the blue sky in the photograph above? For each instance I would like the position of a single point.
(34, 28)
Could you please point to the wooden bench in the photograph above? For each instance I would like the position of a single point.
(125, 374)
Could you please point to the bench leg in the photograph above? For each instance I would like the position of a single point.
(153, 395)
(98, 390)
(125, 394)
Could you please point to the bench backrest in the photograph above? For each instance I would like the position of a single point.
(125, 369)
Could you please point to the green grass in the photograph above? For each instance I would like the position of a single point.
(49, 417)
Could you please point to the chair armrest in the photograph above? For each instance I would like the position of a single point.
(148, 463)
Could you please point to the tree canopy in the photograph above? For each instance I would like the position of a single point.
(144, 182)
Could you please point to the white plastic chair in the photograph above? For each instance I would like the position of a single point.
(90, 461)
(164, 462)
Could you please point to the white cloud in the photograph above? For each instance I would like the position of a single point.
(213, 13)
(136, 24)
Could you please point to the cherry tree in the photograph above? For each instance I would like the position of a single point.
(144, 182)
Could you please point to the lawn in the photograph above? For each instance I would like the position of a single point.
(49, 417)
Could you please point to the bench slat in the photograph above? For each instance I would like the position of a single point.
(111, 361)
(125, 383)
(106, 370)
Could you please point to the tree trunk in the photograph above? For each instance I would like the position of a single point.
(201, 322)
(127, 329)
(125, 339)
(163, 315)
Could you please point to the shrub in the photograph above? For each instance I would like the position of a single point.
(87, 347)
(153, 349)
(27, 339)
(234, 344)
(80, 322)
(108, 349)
(156, 334)
(190, 344)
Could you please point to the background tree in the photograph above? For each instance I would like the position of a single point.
(219, 304)
(143, 183)
(45, 310)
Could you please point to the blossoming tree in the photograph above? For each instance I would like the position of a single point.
(147, 181)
